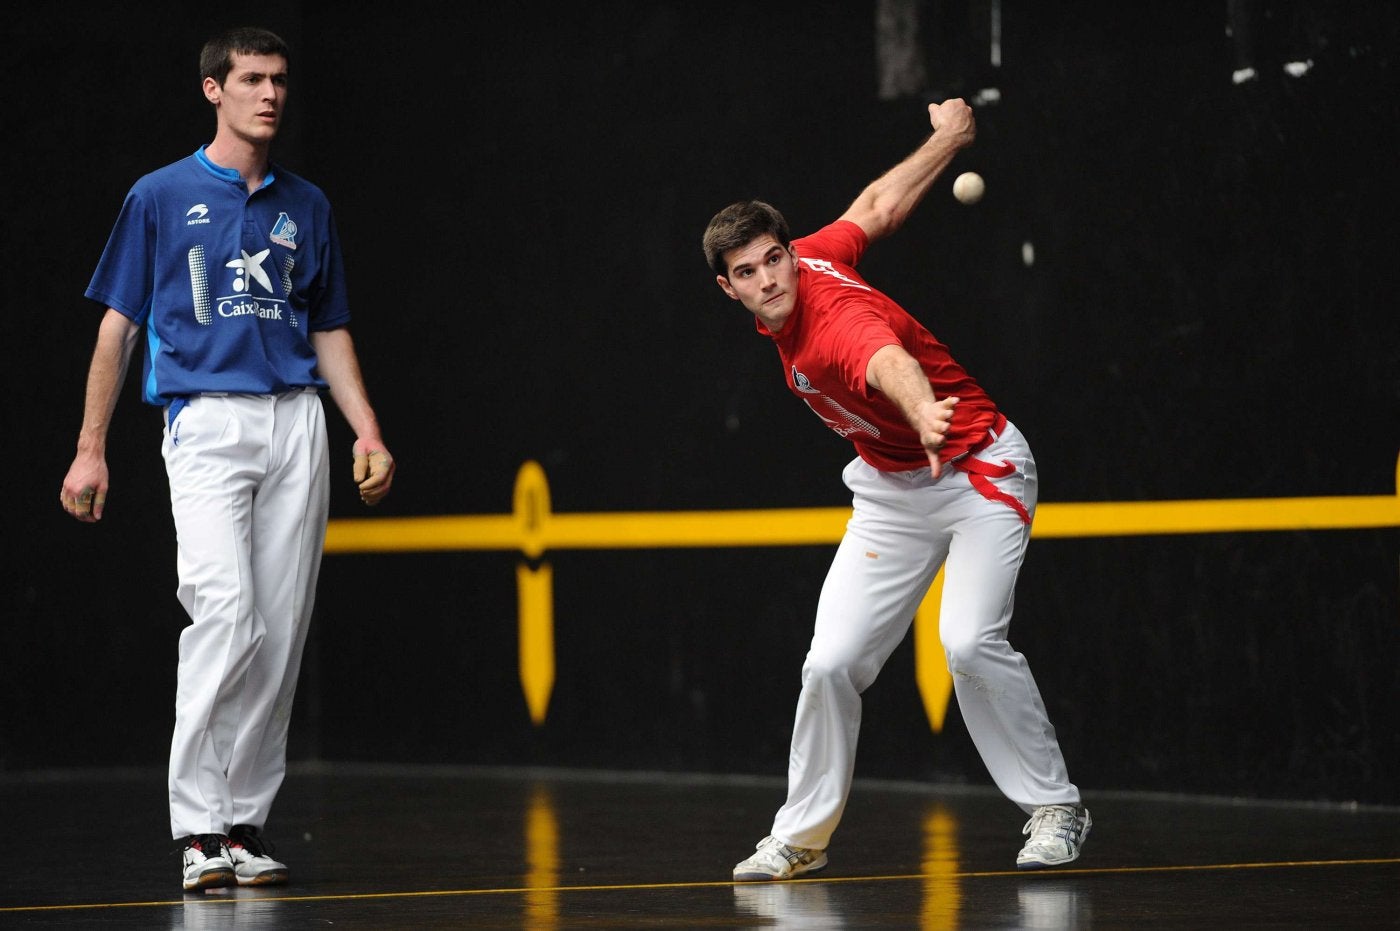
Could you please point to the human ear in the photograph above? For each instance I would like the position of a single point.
(212, 91)
(726, 287)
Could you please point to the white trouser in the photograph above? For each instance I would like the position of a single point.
(249, 493)
(903, 527)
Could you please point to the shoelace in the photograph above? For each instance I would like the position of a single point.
(1056, 823)
(251, 841)
(211, 845)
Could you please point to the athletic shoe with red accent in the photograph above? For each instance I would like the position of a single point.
(252, 860)
(776, 860)
(1057, 832)
(206, 861)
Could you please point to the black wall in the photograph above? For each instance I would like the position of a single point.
(520, 191)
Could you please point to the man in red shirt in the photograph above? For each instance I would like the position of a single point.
(940, 477)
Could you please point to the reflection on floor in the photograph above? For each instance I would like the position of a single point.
(408, 847)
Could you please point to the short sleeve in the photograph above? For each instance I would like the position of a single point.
(125, 275)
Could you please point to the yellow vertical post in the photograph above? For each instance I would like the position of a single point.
(535, 589)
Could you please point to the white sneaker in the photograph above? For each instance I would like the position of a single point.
(251, 858)
(776, 860)
(1056, 834)
(206, 862)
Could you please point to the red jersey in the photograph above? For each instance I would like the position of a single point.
(838, 323)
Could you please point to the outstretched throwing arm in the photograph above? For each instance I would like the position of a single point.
(887, 201)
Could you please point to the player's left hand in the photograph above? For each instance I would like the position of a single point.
(374, 470)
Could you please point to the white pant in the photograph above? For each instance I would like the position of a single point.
(903, 527)
(249, 493)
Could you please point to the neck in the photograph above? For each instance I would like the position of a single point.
(249, 159)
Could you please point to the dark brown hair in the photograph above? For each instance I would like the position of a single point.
(738, 225)
(216, 58)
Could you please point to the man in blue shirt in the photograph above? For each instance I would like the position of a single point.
(232, 265)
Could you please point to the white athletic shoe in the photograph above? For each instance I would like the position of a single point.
(1056, 834)
(251, 856)
(206, 862)
(776, 860)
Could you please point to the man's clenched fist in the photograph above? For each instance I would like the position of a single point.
(374, 471)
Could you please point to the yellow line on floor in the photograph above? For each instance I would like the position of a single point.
(215, 900)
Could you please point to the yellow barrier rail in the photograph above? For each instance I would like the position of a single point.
(532, 528)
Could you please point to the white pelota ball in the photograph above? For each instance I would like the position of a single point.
(969, 187)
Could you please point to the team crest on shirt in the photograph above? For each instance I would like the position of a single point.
(284, 231)
(803, 383)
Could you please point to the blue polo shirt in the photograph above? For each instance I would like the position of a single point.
(228, 284)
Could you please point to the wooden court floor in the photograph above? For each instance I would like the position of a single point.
(407, 847)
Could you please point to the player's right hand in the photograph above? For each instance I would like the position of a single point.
(84, 491)
(953, 118)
